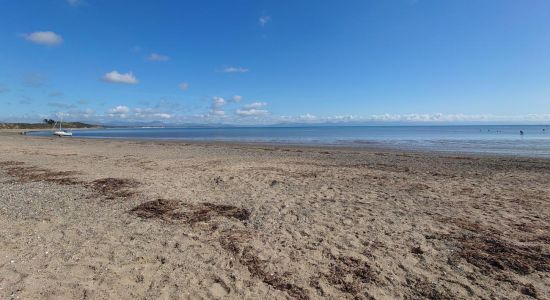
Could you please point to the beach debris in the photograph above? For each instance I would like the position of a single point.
(10, 163)
(350, 275)
(486, 248)
(417, 250)
(114, 187)
(35, 174)
(420, 288)
(529, 290)
(236, 244)
(218, 180)
(188, 213)
(159, 208)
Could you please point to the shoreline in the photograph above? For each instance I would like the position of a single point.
(134, 219)
(368, 147)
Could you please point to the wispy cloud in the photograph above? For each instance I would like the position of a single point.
(55, 94)
(183, 86)
(48, 38)
(62, 105)
(158, 57)
(125, 112)
(264, 20)
(255, 105)
(434, 118)
(25, 100)
(75, 3)
(236, 99)
(122, 78)
(252, 110)
(234, 70)
(34, 80)
(4, 89)
(150, 113)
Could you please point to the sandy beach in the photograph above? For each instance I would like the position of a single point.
(100, 219)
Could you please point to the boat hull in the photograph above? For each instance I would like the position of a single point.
(63, 133)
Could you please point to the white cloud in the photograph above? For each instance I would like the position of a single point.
(136, 114)
(183, 86)
(218, 101)
(264, 20)
(116, 77)
(234, 70)
(251, 112)
(255, 105)
(158, 57)
(119, 110)
(149, 113)
(308, 116)
(48, 38)
(236, 98)
(216, 108)
(252, 109)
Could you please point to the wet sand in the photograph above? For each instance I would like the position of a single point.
(98, 219)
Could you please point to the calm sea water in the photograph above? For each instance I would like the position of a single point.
(505, 140)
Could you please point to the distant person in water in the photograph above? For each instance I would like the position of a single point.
(521, 132)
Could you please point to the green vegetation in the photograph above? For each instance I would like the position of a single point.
(46, 124)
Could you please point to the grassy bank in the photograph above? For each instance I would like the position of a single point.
(45, 125)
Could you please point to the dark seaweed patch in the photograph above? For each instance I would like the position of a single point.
(189, 213)
(486, 248)
(259, 268)
(34, 174)
(160, 208)
(114, 187)
(10, 163)
(529, 290)
(350, 275)
(422, 289)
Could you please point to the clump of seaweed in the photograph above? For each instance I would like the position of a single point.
(10, 163)
(160, 208)
(486, 248)
(114, 187)
(422, 289)
(34, 174)
(189, 213)
(235, 243)
(350, 275)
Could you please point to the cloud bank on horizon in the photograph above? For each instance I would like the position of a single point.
(313, 62)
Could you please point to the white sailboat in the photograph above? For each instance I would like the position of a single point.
(61, 132)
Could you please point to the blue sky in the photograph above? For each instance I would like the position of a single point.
(257, 62)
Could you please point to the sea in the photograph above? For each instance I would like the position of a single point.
(509, 140)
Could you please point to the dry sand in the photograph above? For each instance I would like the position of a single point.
(158, 220)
